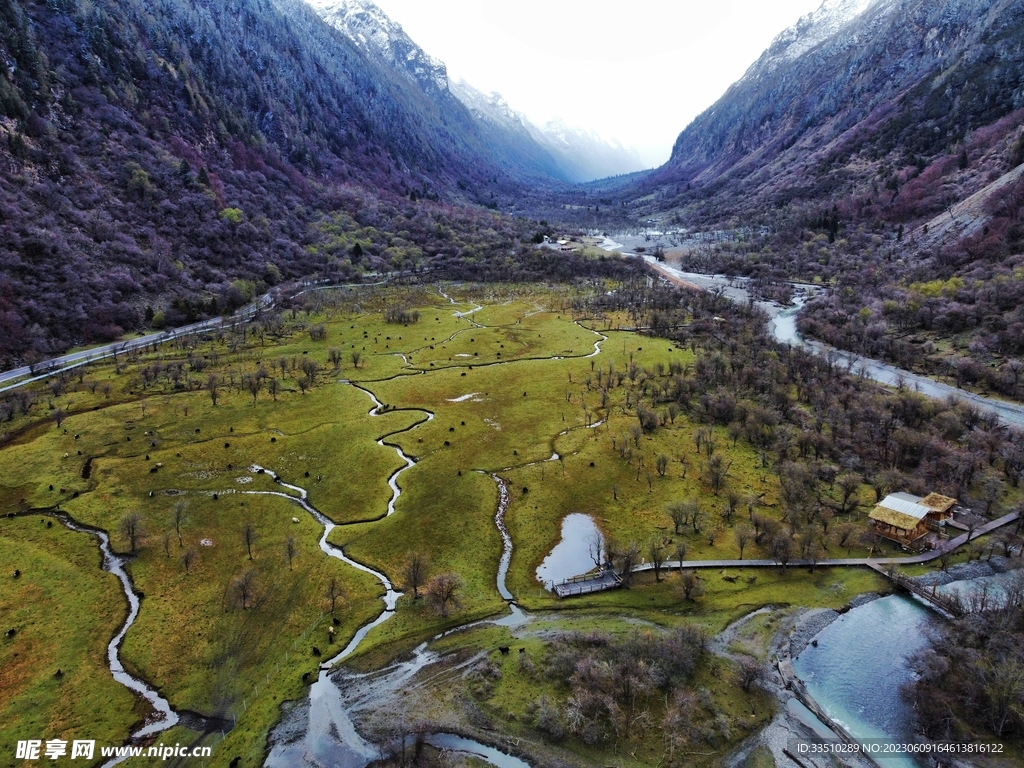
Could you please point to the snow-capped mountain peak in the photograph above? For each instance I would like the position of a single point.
(378, 36)
(490, 107)
(810, 30)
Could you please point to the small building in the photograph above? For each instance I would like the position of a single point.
(941, 507)
(904, 518)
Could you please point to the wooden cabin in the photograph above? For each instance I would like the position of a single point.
(941, 508)
(904, 518)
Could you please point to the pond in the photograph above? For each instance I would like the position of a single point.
(572, 555)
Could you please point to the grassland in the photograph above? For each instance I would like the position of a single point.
(63, 610)
(486, 381)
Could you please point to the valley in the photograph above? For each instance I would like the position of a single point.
(272, 479)
(351, 417)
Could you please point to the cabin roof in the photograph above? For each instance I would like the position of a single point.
(937, 502)
(894, 518)
(898, 510)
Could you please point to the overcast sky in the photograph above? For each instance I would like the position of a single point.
(636, 70)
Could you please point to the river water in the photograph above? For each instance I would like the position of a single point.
(860, 662)
(783, 328)
(164, 715)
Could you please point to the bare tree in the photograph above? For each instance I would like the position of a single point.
(249, 536)
(751, 672)
(334, 592)
(243, 588)
(677, 512)
(844, 535)
(680, 552)
(187, 559)
(310, 368)
(58, 415)
(253, 383)
(661, 463)
(848, 484)
(290, 550)
(744, 535)
(273, 387)
(732, 502)
(131, 529)
(656, 553)
(442, 592)
(782, 548)
(213, 387)
(357, 358)
(716, 470)
(695, 515)
(178, 518)
(712, 532)
(415, 572)
(625, 558)
(334, 356)
(691, 585)
(595, 547)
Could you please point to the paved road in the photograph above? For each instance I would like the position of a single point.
(841, 561)
(19, 377)
(13, 378)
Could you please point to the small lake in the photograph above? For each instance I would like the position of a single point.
(859, 664)
(571, 556)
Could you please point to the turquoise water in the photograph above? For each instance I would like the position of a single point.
(859, 664)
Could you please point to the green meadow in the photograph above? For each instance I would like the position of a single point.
(235, 590)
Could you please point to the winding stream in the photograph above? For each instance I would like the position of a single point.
(377, 410)
(330, 734)
(165, 717)
(327, 716)
(506, 538)
(331, 737)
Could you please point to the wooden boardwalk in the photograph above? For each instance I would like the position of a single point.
(937, 600)
(590, 582)
(608, 579)
(870, 562)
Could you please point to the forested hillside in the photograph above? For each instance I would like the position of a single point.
(182, 155)
(876, 147)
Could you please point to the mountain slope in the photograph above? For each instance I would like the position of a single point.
(156, 153)
(386, 43)
(877, 150)
(579, 155)
(855, 87)
(584, 155)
